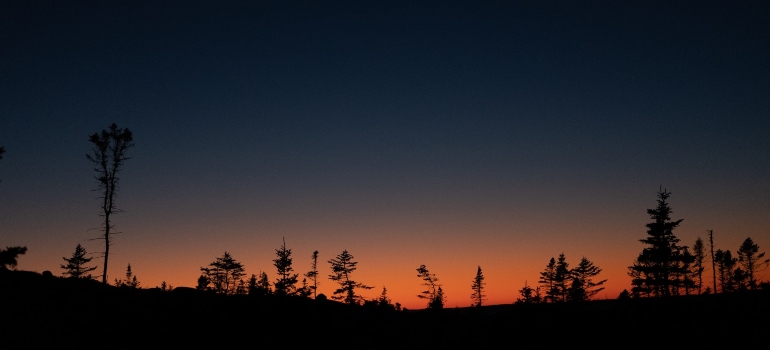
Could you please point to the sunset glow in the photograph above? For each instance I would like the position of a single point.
(491, 135)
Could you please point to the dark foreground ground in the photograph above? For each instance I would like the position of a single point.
(40, 310)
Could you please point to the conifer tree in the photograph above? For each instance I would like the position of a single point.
(383, 301)
(547, 279)
(129, 282)
(726, 269)
(342, 267)
(698, 265)
(661, 263)
(287, 280)
(478, 296)
(684, 274)
(432, 287)
(562, 278)
(529, 295)
(259, 285)
(203, 282)
(165, 287)
(224, 274)
(439, 300)
(583, 287)
(76, 266)
(752, 261)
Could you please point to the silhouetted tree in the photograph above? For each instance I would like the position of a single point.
(637, 288)
(529, 295)
(562, 278)
(304, 290)
(713, 259)
(431, 283)
(576, 291)
(583, 287)
(203, 283)
(165, 287)
(752, 261)
(726, 269)
(108, 155)
(287, 281)
(547, 279)
(313, 274)
(477, 286)
(263, 284)
(241, 289)
(624, 295)
(76, 266)
(698, 265)
(9, 256)
(259, 285)
(342, 267)
(129, 282)
(224, 274)
(438, 301)
(685, 272)
(382, 302)
(659, 264)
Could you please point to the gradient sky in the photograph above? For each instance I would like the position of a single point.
(492, 134)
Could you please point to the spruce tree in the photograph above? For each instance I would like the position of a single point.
(342, 267)
(529, 295)
(547, 279)
(259, 285)
(431, 283)
(224, 274)
(478, 296)
(562, 278)
(699, 264)
(76, 266)
(584, 274)
(130, 281)
(726, 268)
(660, 265)
(286, 284)
(752, 261)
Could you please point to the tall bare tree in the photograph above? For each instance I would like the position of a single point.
(313, 274)
(713, 259)
(108, 155)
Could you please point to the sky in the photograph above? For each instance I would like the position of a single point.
(454, 135)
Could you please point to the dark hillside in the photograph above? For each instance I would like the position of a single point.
(46, 310)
